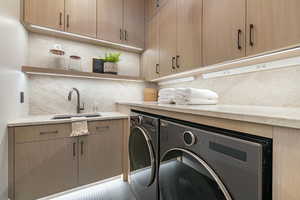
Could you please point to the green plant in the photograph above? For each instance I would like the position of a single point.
(112, 57)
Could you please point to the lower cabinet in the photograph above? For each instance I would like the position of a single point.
(45, 160)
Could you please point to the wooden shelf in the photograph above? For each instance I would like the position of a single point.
(77, 74)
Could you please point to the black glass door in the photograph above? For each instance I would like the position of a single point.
(185, 176)
(141, 154)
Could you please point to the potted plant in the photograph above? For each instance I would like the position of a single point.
(111, 63)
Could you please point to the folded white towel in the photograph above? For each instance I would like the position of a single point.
(196, 102)
(190, 93)
(79, 127)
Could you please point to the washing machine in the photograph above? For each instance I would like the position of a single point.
(143, 155)
(207, 163)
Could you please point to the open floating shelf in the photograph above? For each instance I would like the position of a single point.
(77, 74)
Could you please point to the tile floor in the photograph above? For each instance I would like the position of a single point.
(111, 190)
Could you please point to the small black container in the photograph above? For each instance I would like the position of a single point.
(98, 65)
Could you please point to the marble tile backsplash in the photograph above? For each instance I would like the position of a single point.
(279, 87)
(39, 56)
(48, 95)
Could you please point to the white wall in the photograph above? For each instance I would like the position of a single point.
(13, 45)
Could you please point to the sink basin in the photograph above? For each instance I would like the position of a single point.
(88, 115)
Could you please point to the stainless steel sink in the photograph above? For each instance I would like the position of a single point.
(88, 115)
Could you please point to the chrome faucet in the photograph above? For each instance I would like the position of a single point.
(79, 108)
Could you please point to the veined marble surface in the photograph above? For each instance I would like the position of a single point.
(274, 116)
(47, 119)
(48, 95)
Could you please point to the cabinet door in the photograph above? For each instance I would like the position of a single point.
(273, 24)
(45, 167)
(152, 7)
(81, 17)
(189, 25)
(110, 20)
(100, 153)
(47, 13)
(223, 30)
(134, 23)
(151, 54)
(167, 38)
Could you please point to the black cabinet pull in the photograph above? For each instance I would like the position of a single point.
(121, 34)
(48, 132)
(177, 61)
(157, 3)
(173, 62)
(74, 149)
(126, 35)
(251, 35)
(157, 68)
(68, 21)
(60, 18)
(239, 46)
(81, 147)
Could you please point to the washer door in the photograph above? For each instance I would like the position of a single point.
(185, 176)
(141, 155)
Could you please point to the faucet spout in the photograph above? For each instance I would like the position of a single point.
(79, 108)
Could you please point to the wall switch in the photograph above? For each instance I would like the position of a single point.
(22, 97)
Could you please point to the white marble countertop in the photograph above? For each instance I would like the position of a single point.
(47, 119)
(274, 116)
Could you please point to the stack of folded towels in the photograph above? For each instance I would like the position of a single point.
(166, 96)
(187, 96)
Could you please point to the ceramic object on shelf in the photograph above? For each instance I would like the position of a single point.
(75, 63)
(58, 55)
(110, 68)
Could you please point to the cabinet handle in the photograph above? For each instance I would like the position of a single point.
(102, 127)
(173, 63)
(126, 35)
(239, 39)
(121, 34)
(157, 3)
(60, 18)
(157, 68)
(68, 21)
(251, 35)
(74, 149)
(48, 132)
(177, 61)
(81, 147)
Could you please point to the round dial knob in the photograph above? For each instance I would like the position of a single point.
(189, 138)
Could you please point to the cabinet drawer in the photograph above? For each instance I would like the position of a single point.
(42, 132)
(100, 127)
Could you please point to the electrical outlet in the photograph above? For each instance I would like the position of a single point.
(22, 97)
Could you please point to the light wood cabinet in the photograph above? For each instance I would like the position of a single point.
(81, 17)
(272, 24)
(134, 23)
(286, 163)
(44, 159)
(152, 8)
(100, 154)
(47, 13)
(223, 30)
(168, 38)
(150, 57)
(110, 20)
(189, 32)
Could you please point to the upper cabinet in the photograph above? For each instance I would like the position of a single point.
(110, 20)
(152, 8)
(120, 22)
(189, 32)
(180, 36)
(134, 23)
(47, 13)
(81, 17)
(224, 30)
(272, 24)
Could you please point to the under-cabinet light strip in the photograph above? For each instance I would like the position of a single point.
(84, 37)
(254, 68)
(180, 80)
(84, 77)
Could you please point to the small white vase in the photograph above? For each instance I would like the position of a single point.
(110, 68)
